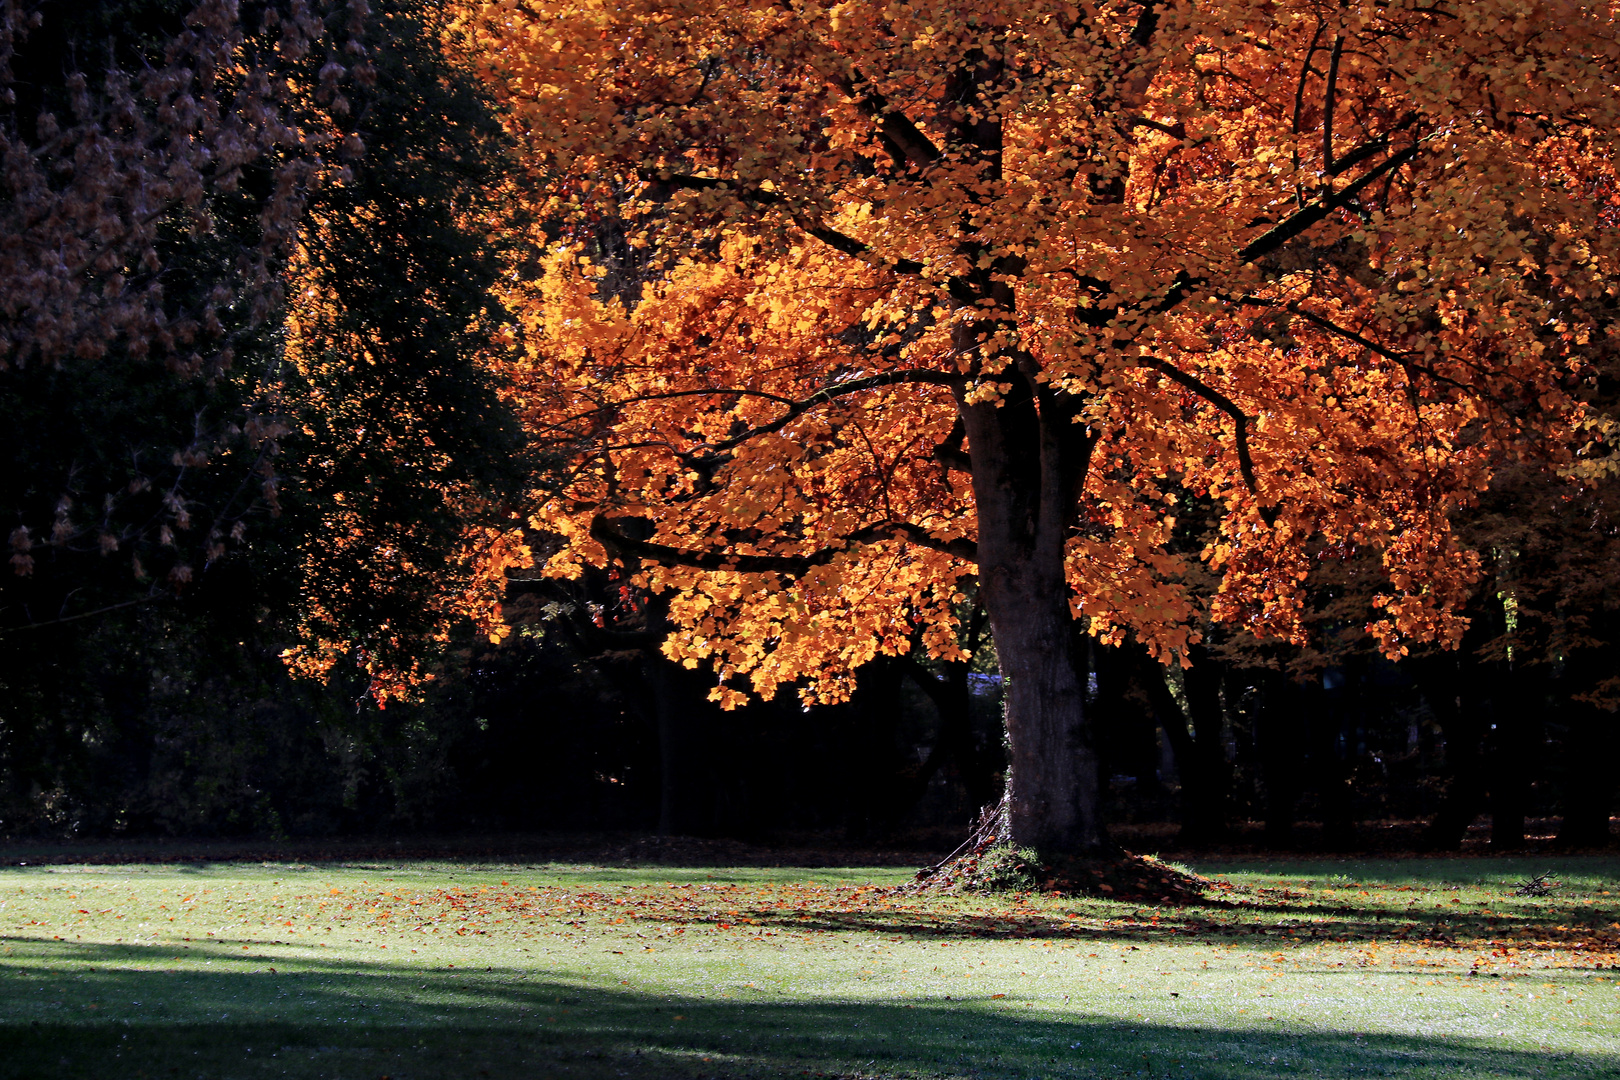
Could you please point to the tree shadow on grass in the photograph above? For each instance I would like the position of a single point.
(1432, 870)
(64, 1017)
(1284, 925)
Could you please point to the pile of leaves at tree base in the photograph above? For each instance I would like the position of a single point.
(1001, 867)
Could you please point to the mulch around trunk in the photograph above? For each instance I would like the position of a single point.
(986, 862)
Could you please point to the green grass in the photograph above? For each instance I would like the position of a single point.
(1421, 968)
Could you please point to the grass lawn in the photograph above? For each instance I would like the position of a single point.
(1422, 968)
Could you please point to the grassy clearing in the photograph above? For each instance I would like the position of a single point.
(1423, 968)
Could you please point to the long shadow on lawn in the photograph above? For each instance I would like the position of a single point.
(348, 1019)
(1552, 928)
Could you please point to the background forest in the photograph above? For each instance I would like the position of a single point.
(273, 573)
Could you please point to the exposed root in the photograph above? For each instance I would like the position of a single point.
(986, 862)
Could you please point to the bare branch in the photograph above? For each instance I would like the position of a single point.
(75, 618)
(1406, 362)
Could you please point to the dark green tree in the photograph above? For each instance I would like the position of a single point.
(355, 469)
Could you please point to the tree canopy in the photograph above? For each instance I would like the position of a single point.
(856, 300)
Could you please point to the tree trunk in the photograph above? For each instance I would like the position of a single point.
(1128, 740)
(1588, 777)
(954, 744)
(1195, 740)
(1277, 734)
(1028, 463)
(667, 706)
(1054, 791)
(1513, 756)
(873, 776)
(1588, 754)
(1029, 457)
(1463, 730)
(1204, 816)
(670, 744)
(1334, 738)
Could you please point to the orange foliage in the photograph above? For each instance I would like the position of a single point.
(1326, 266)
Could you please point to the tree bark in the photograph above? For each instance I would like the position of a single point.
(671, 745)
(1128, 740)
(874, 776)
(1204, 812)
(1028, 462)
(1053, 783)
(1588, 777)
(1333, 721)
(1514, 743)
(1195, 740)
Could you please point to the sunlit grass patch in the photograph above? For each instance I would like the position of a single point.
(1423, 968)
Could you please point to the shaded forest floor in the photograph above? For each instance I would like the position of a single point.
(419, 970)
(911, 847)
(504, 849)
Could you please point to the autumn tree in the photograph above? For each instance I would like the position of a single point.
(856, 301)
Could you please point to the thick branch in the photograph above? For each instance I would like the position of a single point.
(828, 393)
(1358, 155)
(1375, 145)
(937, 687)
(901, 138)
(1082, 450)
(1320, 209)
(960, 547)
(1239, 419)
(1140, 69)
(1330, 101)
(605, 533)
(708, 458)
(1099, 316)
(708, 391)
(834, 239)
(1299, 89)
(1146, 22)
(1176, 130)
(950, 453)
